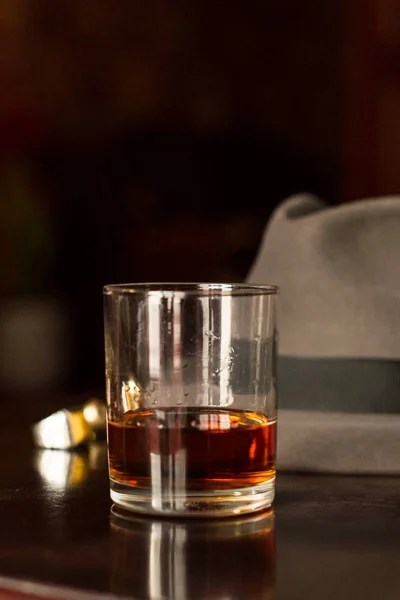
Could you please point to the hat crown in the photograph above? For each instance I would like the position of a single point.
(338, 269)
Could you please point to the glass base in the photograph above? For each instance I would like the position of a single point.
(219, 503)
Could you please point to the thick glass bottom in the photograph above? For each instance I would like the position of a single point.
(218, 503)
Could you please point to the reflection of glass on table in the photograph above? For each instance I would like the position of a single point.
(229, 559)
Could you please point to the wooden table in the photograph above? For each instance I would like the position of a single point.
(335, 537)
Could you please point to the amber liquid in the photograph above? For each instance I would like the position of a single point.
(197, 450)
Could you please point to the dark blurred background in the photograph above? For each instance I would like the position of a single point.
(151, 141)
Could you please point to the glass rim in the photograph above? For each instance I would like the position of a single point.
(191, 289)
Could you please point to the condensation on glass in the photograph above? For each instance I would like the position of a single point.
(191, 392)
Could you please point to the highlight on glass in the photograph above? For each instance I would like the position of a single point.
(191, 394)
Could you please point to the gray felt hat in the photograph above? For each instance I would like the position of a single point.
(338, 269)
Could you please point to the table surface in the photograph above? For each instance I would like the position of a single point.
(329, 537)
